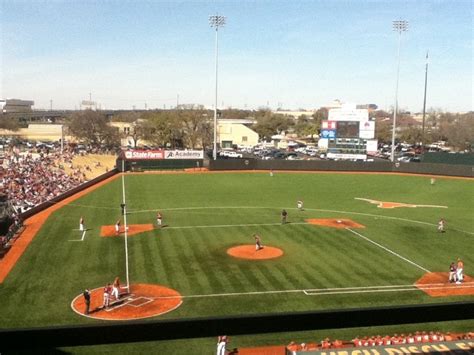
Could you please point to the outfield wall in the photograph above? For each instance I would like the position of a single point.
(329, 165)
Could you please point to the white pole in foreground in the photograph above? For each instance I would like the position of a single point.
(216, 21)
(399, 26)
(125, 224)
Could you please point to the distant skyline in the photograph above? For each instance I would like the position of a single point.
(299, 54)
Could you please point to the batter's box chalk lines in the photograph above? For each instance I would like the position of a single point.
(141, 301)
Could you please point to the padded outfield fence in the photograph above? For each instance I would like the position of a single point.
(328, 165)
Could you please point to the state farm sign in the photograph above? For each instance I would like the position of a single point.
(144, 154)
(184, 154)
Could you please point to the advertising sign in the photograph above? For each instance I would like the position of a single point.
(442, 348)
(184, 154)
(372, 146)
(323, 144)
(348, 114)
(328, 133)
(144, 154)
(367, 129)
(328, 124)
(344, 156)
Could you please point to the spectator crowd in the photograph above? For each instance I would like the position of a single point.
(32, 177)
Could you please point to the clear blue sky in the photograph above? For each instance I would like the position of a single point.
(302, 54)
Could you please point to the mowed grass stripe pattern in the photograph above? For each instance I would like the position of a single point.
(194, 261)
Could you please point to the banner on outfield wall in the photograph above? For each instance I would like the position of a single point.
(442, 348)
(184, 154)
(144, 154)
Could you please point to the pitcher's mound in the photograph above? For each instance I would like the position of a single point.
(436, 284)
(143, 301)
(249, 252)
(335, 223)
(133, 229)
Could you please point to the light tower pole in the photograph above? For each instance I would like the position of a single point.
(216, 21)
(424, 102)
(399, 26)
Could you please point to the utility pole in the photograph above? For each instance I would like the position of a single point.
(424, 102)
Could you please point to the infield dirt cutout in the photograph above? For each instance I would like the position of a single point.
(143, 301)
(248, 252)
(436, 284)
(133, 229)
(334, 223)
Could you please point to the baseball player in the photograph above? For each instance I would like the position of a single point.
(222, 344)
(117, 227)
(284, 216)
(87, 300)
(299, 204)
(452, 272)
(106, 296)
(159, 219)
(258, 242)
(441, 225)
(460, 271)
(81, 224)
(116, 288)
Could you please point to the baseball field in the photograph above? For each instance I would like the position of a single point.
(361, 240)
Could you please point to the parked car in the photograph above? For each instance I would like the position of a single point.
(234, 155)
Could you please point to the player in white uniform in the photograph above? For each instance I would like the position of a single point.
(81, 224)
(460, 272)
(115, 288)
(258, 242)
(117, 227)
(159, 219)
(221, 345)
(441, 224)
(299, 204)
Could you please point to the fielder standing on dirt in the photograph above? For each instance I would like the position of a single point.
(117, 227)
(87, 300)
(258, 242)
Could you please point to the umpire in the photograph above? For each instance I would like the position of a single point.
(87, 300)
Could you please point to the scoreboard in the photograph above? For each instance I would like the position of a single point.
(348, 134)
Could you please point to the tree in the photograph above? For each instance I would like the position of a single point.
(458, 130)
(270, 124)
(164, 128)
(411, 135)
(306, 127)
(198, 129)
(383, 130)
(93, 127)
(320, 115)
(9, 122)
(137, 127)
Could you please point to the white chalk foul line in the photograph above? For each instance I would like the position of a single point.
(83, 235)
(332, 291)
(387, 249)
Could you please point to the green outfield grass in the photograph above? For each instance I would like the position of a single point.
(208, 213)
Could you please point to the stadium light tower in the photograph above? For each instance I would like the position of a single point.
(399, 26)
(216, 21)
